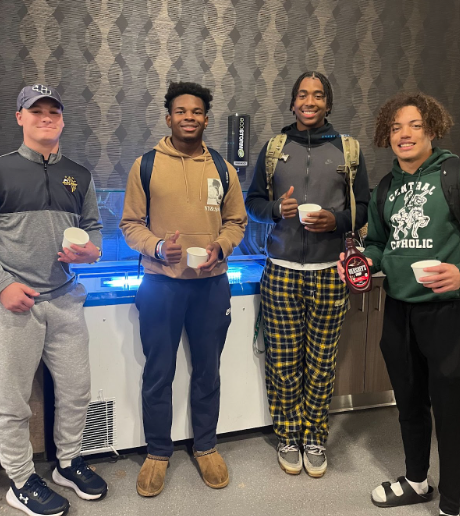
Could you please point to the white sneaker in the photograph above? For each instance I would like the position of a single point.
(290, 458)
(314, 460)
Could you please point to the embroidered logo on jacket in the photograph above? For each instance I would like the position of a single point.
(70, 183)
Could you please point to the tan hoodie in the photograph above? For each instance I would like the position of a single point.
(184, 198)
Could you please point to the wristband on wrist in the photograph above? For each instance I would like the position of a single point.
(158, 250)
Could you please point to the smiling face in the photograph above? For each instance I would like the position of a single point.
(408, 139)
(42, 125)
(310, 105)
(188, 119)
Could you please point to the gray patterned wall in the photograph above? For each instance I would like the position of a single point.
(112, 61)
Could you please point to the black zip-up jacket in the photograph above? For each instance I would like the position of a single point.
(311, 168)
(38, 200)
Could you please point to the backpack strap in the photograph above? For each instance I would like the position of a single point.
(146, 173)
(382, 194)
(350, 168)
(273, 155)
(450, 183)
(221, 166)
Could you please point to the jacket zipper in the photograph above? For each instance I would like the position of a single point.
(304, 236)
(47, 180)
(308, 167)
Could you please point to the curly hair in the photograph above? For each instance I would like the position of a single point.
(326, 85)
(436, 119)
(187, 88)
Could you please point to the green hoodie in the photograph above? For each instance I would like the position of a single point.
(421, 228)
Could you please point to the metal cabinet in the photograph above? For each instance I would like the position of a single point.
(360, 365)
(375, 372)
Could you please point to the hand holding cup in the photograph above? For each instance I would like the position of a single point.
(77, 247)
(309, 209)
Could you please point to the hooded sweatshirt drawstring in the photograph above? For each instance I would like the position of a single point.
(202, 176)
(401, 183)
(185, 177)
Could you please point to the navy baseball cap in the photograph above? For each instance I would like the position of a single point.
(30, 94)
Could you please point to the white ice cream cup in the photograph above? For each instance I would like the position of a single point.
(418, 267)
(196, 256)
(75, 236)
(307, 208)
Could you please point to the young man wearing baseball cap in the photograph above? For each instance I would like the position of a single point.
(41, 305)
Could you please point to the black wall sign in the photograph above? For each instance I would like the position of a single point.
(238, 140)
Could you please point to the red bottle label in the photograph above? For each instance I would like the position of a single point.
(357, 272)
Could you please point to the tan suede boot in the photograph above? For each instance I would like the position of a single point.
(151, 478)
(213, 468)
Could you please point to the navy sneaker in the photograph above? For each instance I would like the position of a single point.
(36, 498)
(82, 479)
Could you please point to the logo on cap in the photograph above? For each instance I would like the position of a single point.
(43, 90)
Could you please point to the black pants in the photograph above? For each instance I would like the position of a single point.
(166, 306)
(421, 347)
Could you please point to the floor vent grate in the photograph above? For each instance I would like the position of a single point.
(99, 433)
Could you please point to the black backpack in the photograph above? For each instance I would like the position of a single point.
(450, 184)
(147, 168)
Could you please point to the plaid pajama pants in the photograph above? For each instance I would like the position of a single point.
(303, 312)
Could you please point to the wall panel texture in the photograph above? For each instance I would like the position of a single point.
(112, 61)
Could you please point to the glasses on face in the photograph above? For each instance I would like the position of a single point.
(317, 96)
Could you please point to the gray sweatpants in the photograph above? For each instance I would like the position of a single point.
(55, 330)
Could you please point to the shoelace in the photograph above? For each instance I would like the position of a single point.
(289, 447)
(80, 467)
(315, 449)
(39, 488)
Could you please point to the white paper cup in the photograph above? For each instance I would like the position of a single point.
(307, 208)
(418, 267)
(196, 256)
(75, 236)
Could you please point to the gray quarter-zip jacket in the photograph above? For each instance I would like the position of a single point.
(311, 168)
(38, 200)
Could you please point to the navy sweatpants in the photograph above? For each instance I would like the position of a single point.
(167, 305)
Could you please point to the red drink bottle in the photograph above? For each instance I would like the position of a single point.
(357, 271)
